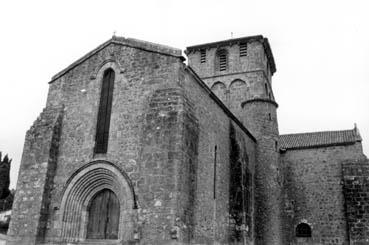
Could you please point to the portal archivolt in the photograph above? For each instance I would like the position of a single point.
(97, 204)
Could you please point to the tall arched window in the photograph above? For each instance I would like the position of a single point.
(303, 230)
(103, 118)
(221, 60)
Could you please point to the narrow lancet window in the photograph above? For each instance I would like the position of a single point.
(215, 173)
(103, 118)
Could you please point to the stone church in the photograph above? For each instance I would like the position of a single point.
(136, 147)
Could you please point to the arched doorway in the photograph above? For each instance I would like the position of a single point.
(103, 216)
(97, 184)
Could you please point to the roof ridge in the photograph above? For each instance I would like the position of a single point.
(317, 132)
(148, 42)
(319, 139)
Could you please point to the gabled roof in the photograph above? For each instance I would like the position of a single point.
(318, 139)
(130, 42)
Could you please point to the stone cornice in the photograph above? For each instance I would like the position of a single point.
(283, 150)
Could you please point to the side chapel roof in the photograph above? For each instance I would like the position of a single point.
(319, 139)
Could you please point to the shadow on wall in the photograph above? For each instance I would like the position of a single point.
(240, 183)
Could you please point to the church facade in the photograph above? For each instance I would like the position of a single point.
(136, 147)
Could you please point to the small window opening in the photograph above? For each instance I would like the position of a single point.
(215, 173)
(203, 55)
(276, 145)
(243, 49)
(303, 230)
(248, 197)
(266, 88)
(270, 116)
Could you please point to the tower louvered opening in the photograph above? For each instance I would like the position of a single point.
(243, 49)
(222, 60)
(202, 55)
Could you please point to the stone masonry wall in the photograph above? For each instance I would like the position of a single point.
(37, 170)
(139, 73)
(141, 142)
(245, 78)
(169, 157)
(356, 193)
(161, 124)
(212, 215)
(261, 118)
(255, 60)
(313, 192)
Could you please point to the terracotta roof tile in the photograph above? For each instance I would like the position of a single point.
(318, 139)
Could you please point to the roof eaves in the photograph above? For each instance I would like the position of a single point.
(269, 54)
(284, 149)
(80, 60)
(224, 42)
(318, 139)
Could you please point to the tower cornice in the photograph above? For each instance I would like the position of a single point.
(259, 100)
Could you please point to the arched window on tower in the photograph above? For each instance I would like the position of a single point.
(303, 230)
(103, 117)
(221, 62)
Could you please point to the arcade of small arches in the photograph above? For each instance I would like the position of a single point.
(234, 95)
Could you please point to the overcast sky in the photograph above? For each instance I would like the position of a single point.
(321, 50)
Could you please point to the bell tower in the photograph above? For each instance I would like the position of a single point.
(239, 71)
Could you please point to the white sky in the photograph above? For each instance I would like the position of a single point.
(321, 49)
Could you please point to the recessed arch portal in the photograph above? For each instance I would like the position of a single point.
(81, 190)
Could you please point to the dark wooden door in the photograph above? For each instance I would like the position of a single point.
(103, 216)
